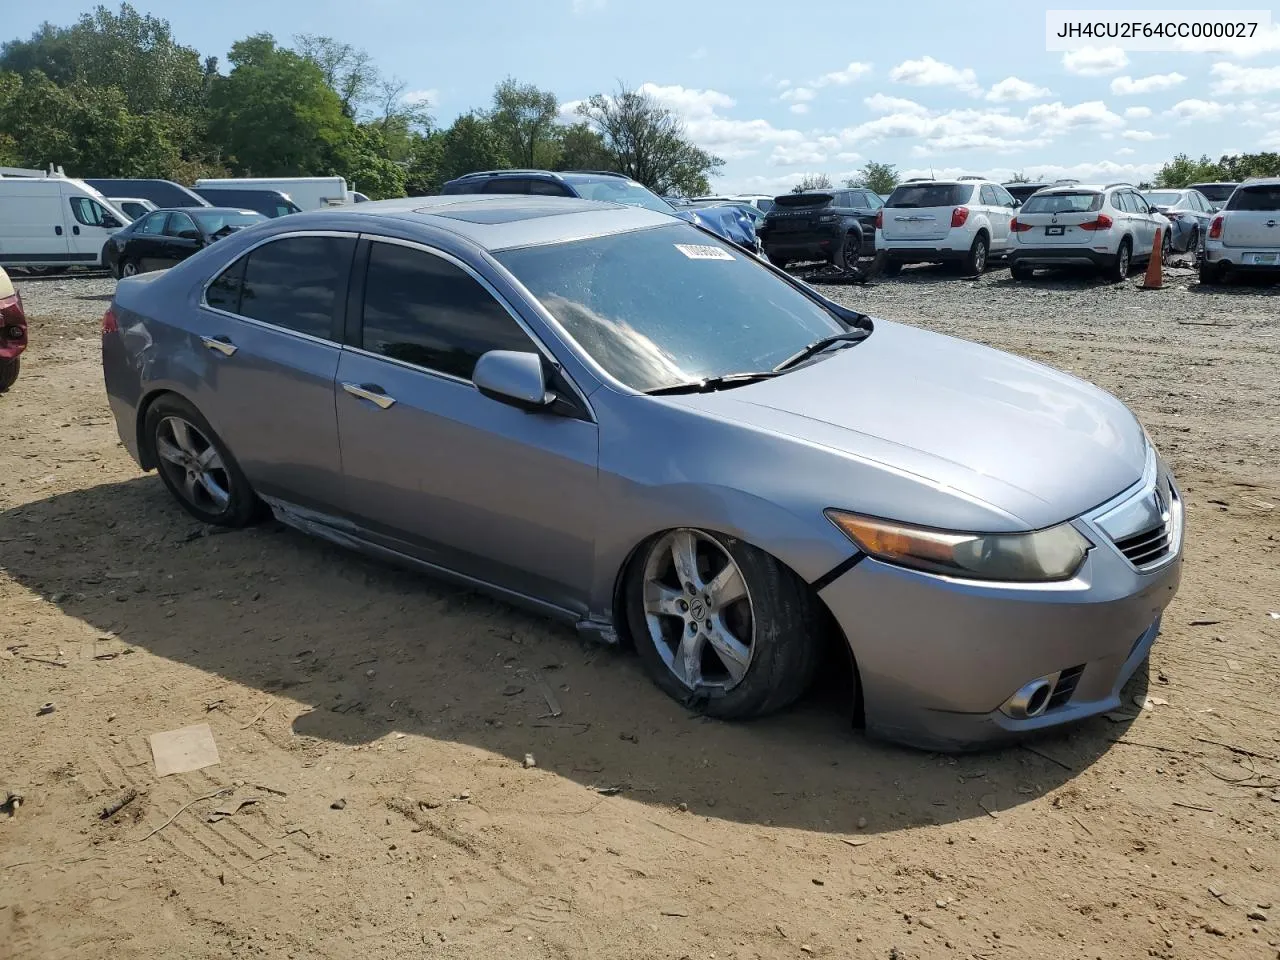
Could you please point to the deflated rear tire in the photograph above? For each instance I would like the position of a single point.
(9, 367)
(721, 626)
(196, 465)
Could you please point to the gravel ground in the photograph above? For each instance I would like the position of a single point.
(374, 723)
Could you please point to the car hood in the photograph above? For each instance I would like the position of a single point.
(1038, 445)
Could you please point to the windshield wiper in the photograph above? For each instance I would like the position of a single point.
(851, 336)
(711, 384)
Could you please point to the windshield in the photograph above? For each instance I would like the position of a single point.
(216, 222)
(930, 195)
(1256, 198)
(1163, 198)
(617, 190)
(1062, 203)
(669, 305)
(1217, 192)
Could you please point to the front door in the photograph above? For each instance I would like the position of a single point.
(91, 224)
(181, 239)
(438, 471)
(998, 215)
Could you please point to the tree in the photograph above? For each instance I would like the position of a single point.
(1019, 177)
(424, 164)
(524, 118)
(348, 71)
(361, 157)
(813, 181)
(274, 115)
(1182, 170)
(581, 148)
(470, 144)
(876, 177)
(1245, 165)
(646, 141)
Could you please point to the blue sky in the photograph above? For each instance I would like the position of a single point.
(781, 91)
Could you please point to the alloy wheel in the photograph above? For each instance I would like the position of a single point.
(128, 269)
(1123, 255)
(698, 610)
(193, 464)
(1166, 247)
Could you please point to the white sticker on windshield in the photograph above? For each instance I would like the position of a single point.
(695, 251)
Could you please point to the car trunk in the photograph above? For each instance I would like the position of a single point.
(798, 213)
(1252, 219)
(922, 211)
(1057, 219)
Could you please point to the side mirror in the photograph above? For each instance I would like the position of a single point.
(513, 378)
(189, 235)
(110, 222)
(1016, 203)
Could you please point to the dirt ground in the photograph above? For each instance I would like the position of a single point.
(380, 720)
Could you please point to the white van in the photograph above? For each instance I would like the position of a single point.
(309, 193)
(54, 222)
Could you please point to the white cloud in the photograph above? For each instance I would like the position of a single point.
(806, 154)
(1103, 171)
(1127, 86)
(1126, 152)
(1057, 117)
(842, 78)
(1143, 136)
(1199, 111)
(1230, 79)
(928, 72)
(978, 141)
(1011, 88)
(1263, 41)
(687, 102)
(426, 97)
(710, 129)
(798, 94)
(799, 108)
(1095, 61)
(879, 103)
(1137, 113)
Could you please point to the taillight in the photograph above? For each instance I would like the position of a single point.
(13, 322)
(1215, 228)
(1102, 223)
(880, 219)
(1018, 226)
(959, 215)
(109, 324)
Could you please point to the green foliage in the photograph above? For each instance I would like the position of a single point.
(813, 181)
(1245, 165)
(524, 119)
(581, 148)
(876, 177)
(1020, 177)
(470, 144)
(1182, 171)
(424, 164)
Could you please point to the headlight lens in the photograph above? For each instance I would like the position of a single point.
(1043, 555)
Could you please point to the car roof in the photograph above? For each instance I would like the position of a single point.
(1216, 183)
(499, 221)
(203, 210)
(1256, 182)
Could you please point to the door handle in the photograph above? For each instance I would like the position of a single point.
(57, 231)
(76, 231)
(371, 392)
(220, 344)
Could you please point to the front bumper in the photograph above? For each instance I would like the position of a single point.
(938, 658)
(1060, 257)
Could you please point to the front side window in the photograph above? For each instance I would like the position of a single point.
(421, 309)
(1003, 197)
(88, 212)
(224, 292)
(179, 224)
(989, 196)
(717, 310)
(153, 225)
(297, 283)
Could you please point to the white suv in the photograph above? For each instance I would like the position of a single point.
(944, 221)
(1108, 227)
(1245, 234)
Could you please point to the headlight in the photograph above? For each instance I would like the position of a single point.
(1052, 554)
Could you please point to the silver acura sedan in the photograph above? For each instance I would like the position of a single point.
(610, 416)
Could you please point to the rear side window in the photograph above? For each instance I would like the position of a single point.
(1063, 203)
(545, 188)
(297, 283)
(422, 309)
(930, 195)
(1256, 198)
(507, 185)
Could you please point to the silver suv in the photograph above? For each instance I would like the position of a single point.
(1245, 235)
(944, 221)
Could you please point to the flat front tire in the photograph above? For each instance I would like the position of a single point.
(196, 465)
(720, 625)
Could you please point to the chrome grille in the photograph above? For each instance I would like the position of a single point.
(1145, 527)
(1146, 547)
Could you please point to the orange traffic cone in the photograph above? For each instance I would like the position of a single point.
(1154, 279)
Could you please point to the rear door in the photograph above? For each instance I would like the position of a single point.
(922, 211)
(436, 470)
(1251, 219)
(269, 333)
(1055, 219)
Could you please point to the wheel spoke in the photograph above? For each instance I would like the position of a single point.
(660, 599)
(167, 451)
(729, 650)
(189, 486)
(726, 587)
(687, 663)
(684, 554)
(209, 459)
(211, 486)
(182, 435)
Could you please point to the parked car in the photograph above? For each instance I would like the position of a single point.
(269, 203)
(760, 201)
(964, 222)
(307, 193)
(133, 207)
(13, 332)
(601, 185)
(1244, 237)
(657, 437)
(750, 211)
(1107, 227)
(1188, 212)
(50, 223)
(837, 226)
(163, 193)
(1216, 193)
(165, 237)
(1020, 191)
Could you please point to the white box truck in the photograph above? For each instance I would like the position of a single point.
(309, 193)
(54, 222)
